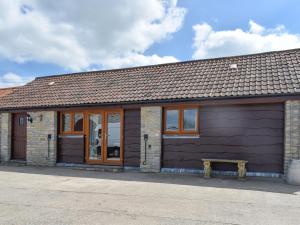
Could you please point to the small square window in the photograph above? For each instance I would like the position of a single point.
(190, 119)
(172, 117)
(21, 121)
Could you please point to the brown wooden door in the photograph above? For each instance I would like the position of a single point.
(19, 136)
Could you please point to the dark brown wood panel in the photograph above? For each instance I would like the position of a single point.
(248, 132)
(71, 149)
(132, 137)
(19, 136)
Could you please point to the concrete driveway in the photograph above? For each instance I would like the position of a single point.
(39, 195)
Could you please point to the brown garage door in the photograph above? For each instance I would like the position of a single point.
(19, 135)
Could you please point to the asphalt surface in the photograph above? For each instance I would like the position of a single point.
(44, 196)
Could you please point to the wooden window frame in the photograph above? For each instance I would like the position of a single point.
(85, 132)
(181, 130)
(72, 131)
(104, 160)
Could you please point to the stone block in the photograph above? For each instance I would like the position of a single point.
(293, 173)
(40, 149)
(5, 137)
(292, 134)
(151, 121)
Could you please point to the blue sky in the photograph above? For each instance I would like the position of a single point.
(42, 38)
(226, 15)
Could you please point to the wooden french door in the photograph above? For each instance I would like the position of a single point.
(104, 140)
(19, 136)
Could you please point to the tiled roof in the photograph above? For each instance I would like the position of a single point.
(6, 91)
(264, 74)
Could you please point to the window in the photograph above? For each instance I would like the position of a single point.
(78, 122)
(172, 118)
(71, 122)
(189, 119)
(66, 122)
(21, 121)
(181, 120)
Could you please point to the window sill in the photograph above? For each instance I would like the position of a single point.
(173, 136)
(70, 135)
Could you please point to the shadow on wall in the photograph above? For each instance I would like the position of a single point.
(253, 184)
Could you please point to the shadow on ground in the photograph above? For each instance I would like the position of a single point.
(275, 185)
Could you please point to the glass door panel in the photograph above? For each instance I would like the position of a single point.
(95, 136)
(113, 145)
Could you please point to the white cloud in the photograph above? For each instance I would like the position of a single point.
(140, 59)
(12, 80)
(255, 28)
(210, 43)
(79, 34)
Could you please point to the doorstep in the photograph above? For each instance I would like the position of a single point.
(103, 168)
(14, 162)
(221, 173)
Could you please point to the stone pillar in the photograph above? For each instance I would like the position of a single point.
(292, 137)
(5, 137)
(42, 138)
(151, 122)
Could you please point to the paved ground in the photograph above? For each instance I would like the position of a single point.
(44, 196)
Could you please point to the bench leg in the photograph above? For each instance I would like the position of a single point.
(207, 169)
(241, 170)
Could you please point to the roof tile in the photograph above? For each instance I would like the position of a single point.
(271, 73)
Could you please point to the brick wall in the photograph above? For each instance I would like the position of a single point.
(151, 121)
(40, 150)
(292, 133)
(5, 137)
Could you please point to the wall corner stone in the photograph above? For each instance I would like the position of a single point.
(151, 122)
(42, 150)
(5, 137)
(291, 133)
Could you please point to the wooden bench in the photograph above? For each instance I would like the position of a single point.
(240, 163)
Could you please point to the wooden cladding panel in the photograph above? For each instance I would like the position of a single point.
(248, 132)
(132, 137)
(70, 149)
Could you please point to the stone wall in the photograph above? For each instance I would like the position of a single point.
(151, 122)
(40, 149)
(292, 133)
(5, 137)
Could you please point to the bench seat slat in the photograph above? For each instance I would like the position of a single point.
(225, 160)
